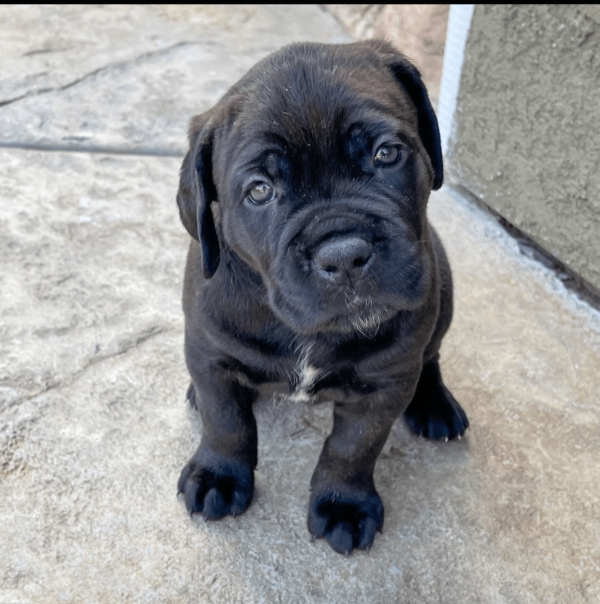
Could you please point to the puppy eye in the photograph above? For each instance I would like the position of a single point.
(387, 154)
(261, 193)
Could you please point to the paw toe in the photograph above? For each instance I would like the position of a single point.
(367, 529)
(215, 506)
(340, 538)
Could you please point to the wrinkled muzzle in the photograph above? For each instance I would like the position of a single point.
(344, 268)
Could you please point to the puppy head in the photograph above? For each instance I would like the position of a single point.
(318, 164)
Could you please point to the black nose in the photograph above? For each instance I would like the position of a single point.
(343, 258)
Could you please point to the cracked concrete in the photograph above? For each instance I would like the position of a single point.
(136, 80)
(100, 70)
(94, 428)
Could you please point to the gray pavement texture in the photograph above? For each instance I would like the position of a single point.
(94, 428)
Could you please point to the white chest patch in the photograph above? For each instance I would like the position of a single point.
(307, 374)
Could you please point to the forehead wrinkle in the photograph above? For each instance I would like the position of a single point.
(253, 145)
(305, 112)
(302, 100)
(376, 127)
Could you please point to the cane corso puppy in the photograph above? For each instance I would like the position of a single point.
(312, 265)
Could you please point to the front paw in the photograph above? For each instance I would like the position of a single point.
(347, 521)
(216, 490)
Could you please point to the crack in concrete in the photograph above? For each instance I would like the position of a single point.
(57, 148)
(124, 346)
(95, 72)
(128, 344)
(523, 51)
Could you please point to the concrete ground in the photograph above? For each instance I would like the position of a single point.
(94, 428)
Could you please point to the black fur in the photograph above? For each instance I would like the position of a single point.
(337, 286)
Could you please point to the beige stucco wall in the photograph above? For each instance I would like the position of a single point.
(417, 30)
(526, 136)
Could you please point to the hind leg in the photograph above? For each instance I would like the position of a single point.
(433, 411)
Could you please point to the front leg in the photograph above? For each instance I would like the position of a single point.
(344, 506)
(219, 478)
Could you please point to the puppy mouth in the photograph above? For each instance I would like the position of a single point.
(364, 315)
(340, 310)
(359, 314)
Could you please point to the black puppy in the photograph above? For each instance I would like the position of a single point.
(313, 265)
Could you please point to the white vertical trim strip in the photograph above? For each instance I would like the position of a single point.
(459, 23)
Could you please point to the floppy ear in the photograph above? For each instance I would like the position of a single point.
(197, 191)
(410, 79)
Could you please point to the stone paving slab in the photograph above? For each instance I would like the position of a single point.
(128, 77)
(94, 429)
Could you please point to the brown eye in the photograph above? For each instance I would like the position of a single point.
(387, 155)
(261, 193)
